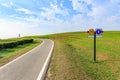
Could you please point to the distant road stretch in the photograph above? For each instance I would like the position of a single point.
(30, 66)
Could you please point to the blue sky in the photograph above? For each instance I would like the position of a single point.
(38, 17)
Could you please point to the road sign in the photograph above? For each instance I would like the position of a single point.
(91, 31)
(93, 35)
(99, 31)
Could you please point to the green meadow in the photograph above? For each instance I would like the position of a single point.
(73, 57)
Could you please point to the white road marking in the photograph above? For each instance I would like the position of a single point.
(19, 57)
(43, 71)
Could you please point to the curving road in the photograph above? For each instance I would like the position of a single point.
(30, 66)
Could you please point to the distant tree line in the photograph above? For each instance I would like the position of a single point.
(13, 44)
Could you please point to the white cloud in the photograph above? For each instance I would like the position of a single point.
(61, 4)
(13, 28)
(80, 5)
(57, 10)
(11, 3)
(97, 12)
(26, 11)
(104, 15)
(8, 4)
(50, 13)
(55, 1)
(99, 9)
(47, 13)
(113, 19)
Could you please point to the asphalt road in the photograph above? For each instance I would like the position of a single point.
(30, 66)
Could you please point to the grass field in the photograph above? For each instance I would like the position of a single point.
(73, 57)
(7, 55)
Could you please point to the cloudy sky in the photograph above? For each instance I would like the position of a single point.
(37, 17)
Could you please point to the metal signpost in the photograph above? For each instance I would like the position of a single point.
(95, 34)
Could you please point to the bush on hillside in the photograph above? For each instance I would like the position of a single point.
(15, 43)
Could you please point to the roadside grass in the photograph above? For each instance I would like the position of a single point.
(60, 68)
(7, 55)
(73, 57)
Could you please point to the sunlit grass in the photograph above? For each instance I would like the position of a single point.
(78, 49)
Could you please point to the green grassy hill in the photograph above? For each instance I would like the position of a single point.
(73, 57)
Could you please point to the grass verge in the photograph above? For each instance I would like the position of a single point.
(7, 55)
(73, 57)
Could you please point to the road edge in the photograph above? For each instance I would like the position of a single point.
(42, 73)
(20, 56)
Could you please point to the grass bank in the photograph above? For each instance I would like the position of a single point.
(73, 57)
(7, 55)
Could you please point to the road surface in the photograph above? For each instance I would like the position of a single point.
(30, 66)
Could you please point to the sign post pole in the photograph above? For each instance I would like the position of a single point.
(94, 46)
(95, 34)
